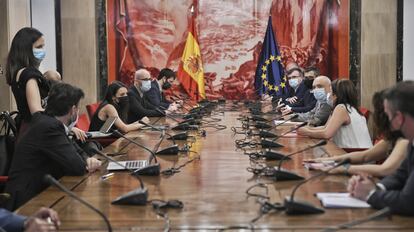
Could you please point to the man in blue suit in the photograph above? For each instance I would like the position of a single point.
(301, 100)
(42, 221)
(155, 95)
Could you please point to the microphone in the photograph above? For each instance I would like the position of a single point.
(294, 116)
(172, 150)
(52, 181)
(282, 174)
(381, 213)
(300, 207)
(271, 144)
(180, 126)
(137, 196)
(150, 169)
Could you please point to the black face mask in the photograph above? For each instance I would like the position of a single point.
(308, 83)
(166, 85)
(123, 101)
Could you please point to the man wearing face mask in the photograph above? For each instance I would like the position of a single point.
(397, 190)
(320, 114)
(156, 96)
(310, 74)
(139, 107)
(301, 100)
(45, 147)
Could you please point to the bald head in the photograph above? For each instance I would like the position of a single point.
(52, 75)
(322, 82)
(142, 74)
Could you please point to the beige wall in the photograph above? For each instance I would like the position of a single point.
(79, 46)
(378, 47)
(14, 14)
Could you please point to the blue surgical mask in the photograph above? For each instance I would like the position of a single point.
(39, 53)
(319, 94)
(145, 86)
(294, 83)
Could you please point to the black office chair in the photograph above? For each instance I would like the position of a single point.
(8, 132)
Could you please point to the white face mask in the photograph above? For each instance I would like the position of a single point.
(145, 85)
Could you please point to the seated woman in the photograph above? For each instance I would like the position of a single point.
(115, 104)
(346, 126)
(393, 148)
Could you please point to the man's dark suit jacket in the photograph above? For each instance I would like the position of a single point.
(399, 193)
(155, 97)
(139, 107)
(43, 149)
(11, 222)
(306, 100)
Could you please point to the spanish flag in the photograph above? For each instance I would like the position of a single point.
(190, 71)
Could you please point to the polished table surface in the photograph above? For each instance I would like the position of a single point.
(212, 188)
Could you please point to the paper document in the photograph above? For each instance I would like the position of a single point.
(340, 200)
(288, 123)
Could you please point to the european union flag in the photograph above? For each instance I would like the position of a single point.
(269, 77)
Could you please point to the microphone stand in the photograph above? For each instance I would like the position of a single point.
(298, 207)
(172, 150)
(49, 179)
(282, 175)
(151, 169)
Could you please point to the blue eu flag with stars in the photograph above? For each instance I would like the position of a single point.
(269, 77)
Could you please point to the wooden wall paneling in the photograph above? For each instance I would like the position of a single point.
(79, 46)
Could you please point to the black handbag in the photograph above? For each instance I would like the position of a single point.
(8, 133)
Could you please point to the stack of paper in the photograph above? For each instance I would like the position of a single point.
(340, 200)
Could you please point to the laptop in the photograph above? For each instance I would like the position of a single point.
(104, 131)
(130, 164)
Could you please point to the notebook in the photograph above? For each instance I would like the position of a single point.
(104, 131)
(130, 164)
(340, 200)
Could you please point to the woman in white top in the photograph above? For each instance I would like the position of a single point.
(391, 149)
(346, 126)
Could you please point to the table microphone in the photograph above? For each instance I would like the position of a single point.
(385, 212)
(172, 150)
(263, 125)
(150, 169)
(300, 207)
(282, 174)
(180, 126)
(52, 181)
(137, 196)
(272, 144)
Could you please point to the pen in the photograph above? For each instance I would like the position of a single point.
(107, 176)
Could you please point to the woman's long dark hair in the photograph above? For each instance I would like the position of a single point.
(21, 52)
(110, 93)
(346, 94)
(382, 124)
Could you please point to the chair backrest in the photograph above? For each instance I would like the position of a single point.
(83, 122)
(365, 112)
(91, 109)
(7, 138)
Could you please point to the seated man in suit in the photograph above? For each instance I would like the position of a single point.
(301, 100)
(45, 148)
(155, 95)
(397, 190)
(319, 115)
(139, 107)
(38, 222)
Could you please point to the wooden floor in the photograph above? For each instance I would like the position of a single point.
(213, 189)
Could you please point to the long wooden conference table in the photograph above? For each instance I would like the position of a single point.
(212, 188)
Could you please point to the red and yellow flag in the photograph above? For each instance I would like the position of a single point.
(190, 71)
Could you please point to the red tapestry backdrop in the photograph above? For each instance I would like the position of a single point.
(152, 34)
